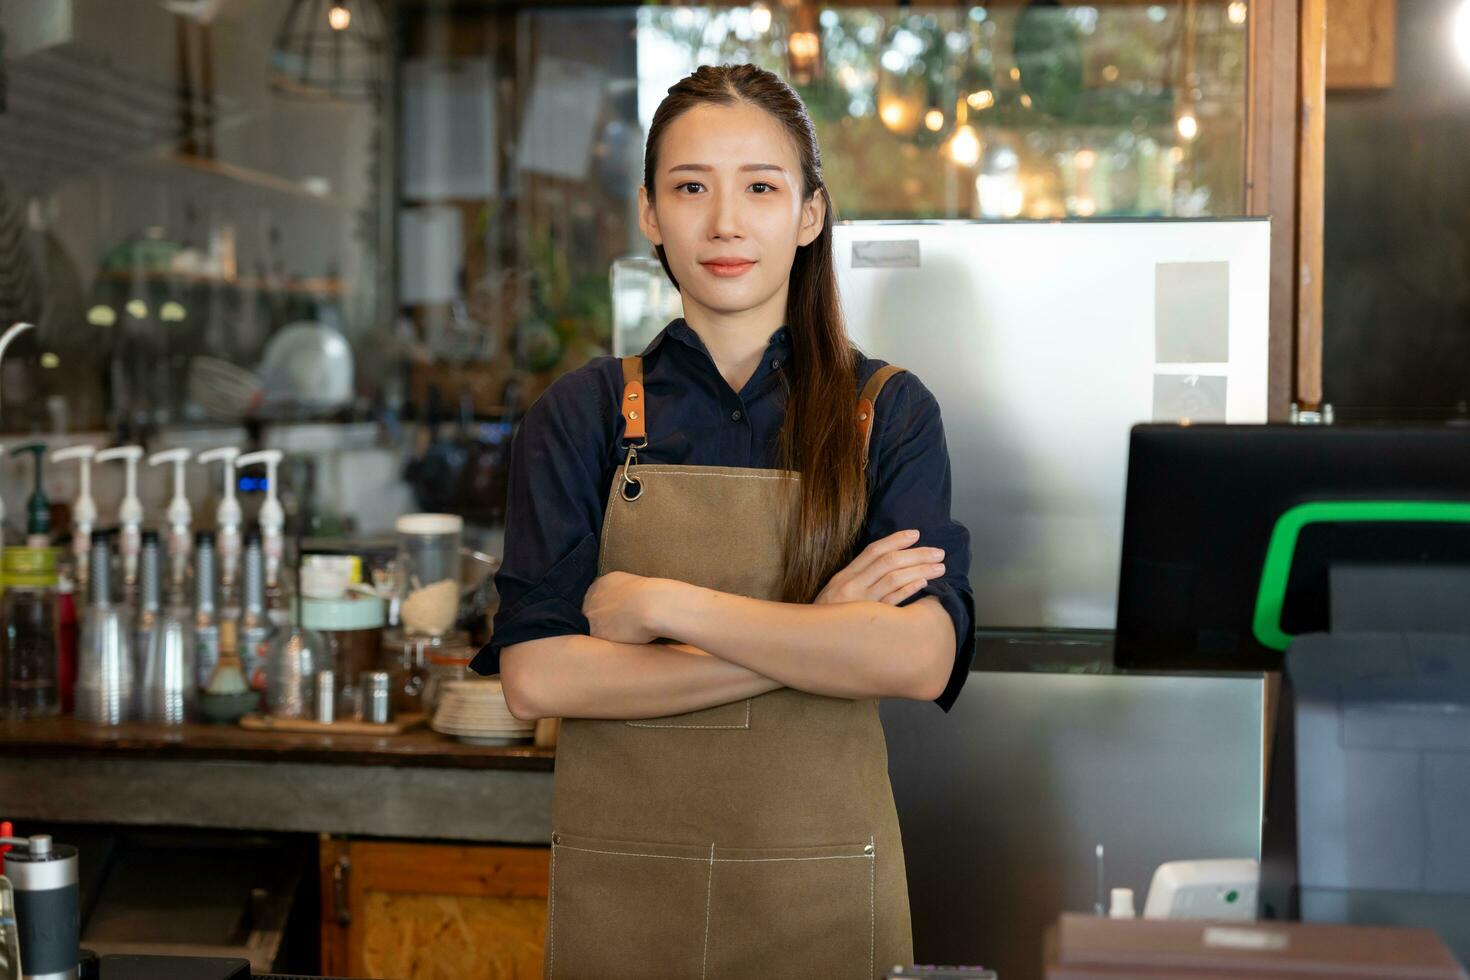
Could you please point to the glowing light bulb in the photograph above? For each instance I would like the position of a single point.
(1188, 126)
(892, 113)
(1236, 12)
(934, 120)
(760, 17)
(339, 17)
(964, 147)
(804, 45)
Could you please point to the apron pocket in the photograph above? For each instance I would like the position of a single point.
(795, 912)
(626, 909)
(732, 716)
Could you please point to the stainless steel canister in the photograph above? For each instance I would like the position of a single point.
(326, 696)
(375, 697)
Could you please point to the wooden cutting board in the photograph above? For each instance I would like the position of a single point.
(347, 726)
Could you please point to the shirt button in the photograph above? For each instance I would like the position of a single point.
(735, 415)
(775, 363)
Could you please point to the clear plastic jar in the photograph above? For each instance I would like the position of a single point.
(31, 681)
(291, 665)
(446, 658)
(428, 571)
(353, 630)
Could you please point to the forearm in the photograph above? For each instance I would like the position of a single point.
(850, 649)
(586, 677)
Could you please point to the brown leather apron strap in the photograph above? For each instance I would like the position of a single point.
(635, 418)
(634, 404)
(868, 399)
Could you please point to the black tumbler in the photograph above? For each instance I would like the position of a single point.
(47, 912)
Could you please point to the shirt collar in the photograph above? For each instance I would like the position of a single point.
(680, 330)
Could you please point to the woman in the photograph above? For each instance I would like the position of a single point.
(719, 555)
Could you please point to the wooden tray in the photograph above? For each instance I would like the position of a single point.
(347, 726)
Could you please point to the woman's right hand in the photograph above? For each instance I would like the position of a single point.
(889, 570)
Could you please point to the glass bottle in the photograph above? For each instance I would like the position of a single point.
(206, 623)
(105, 692)
(32, 662)
(150, 593)
(170, 677)
(255, 628)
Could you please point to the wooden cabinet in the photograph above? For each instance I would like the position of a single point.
(1360, 44)
(432, 911)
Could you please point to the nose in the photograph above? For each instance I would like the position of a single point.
(726, 216)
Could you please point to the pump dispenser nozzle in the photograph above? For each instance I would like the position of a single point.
(180, 514)
(83, 509)
(129, 514)
(272, 519)
(227, 516)
(38, 508)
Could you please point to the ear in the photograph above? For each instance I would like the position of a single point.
(813, 213)
(648, 217)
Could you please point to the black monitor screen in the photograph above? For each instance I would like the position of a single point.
(1203, 501)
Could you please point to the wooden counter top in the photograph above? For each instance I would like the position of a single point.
(66, 737)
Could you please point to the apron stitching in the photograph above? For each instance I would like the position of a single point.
(872, 904)
(551, 920)
(644, 724)
(684, 857)
(635, 724)
(606, 526)
(708, 891)
(647, 468)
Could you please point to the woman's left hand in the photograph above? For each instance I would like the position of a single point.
(616, 605)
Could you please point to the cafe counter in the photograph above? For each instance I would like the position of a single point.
(417, 784)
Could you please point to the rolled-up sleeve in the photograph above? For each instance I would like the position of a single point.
(553, 517)
(909, 487)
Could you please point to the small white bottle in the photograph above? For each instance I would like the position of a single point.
(1122, 904)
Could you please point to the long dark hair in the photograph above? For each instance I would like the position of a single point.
(819, 437)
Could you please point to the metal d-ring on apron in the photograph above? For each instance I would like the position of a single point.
(751, 839)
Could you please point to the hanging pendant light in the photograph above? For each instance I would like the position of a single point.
(329, 48)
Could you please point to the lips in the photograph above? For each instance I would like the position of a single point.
(728, 267)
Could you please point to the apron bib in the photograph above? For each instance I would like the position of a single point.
(756, 839)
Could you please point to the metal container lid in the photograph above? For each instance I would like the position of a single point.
(336, 615)
(429, 524)
(42, 867)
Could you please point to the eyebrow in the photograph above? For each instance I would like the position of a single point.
(706, 168)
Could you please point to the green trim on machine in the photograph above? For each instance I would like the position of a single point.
(1276, 570)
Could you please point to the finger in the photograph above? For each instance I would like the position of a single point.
(896, 561)
(903, 576)
(896, 541)
(899, 595)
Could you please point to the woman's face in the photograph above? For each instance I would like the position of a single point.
(728, 211)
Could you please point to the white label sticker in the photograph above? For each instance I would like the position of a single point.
(1225, 937)
(900, 253)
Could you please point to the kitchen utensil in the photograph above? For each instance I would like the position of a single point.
(47, 909)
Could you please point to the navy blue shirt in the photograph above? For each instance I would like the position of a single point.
(568, 448)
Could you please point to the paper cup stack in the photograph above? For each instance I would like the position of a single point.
(475, 712)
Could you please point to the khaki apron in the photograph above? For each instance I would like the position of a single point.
(756, 839)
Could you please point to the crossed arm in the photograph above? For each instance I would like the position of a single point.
(662, 647)
(853, 641)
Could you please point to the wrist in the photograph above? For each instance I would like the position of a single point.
(662, 598)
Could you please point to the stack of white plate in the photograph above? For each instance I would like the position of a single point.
(475, 712)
